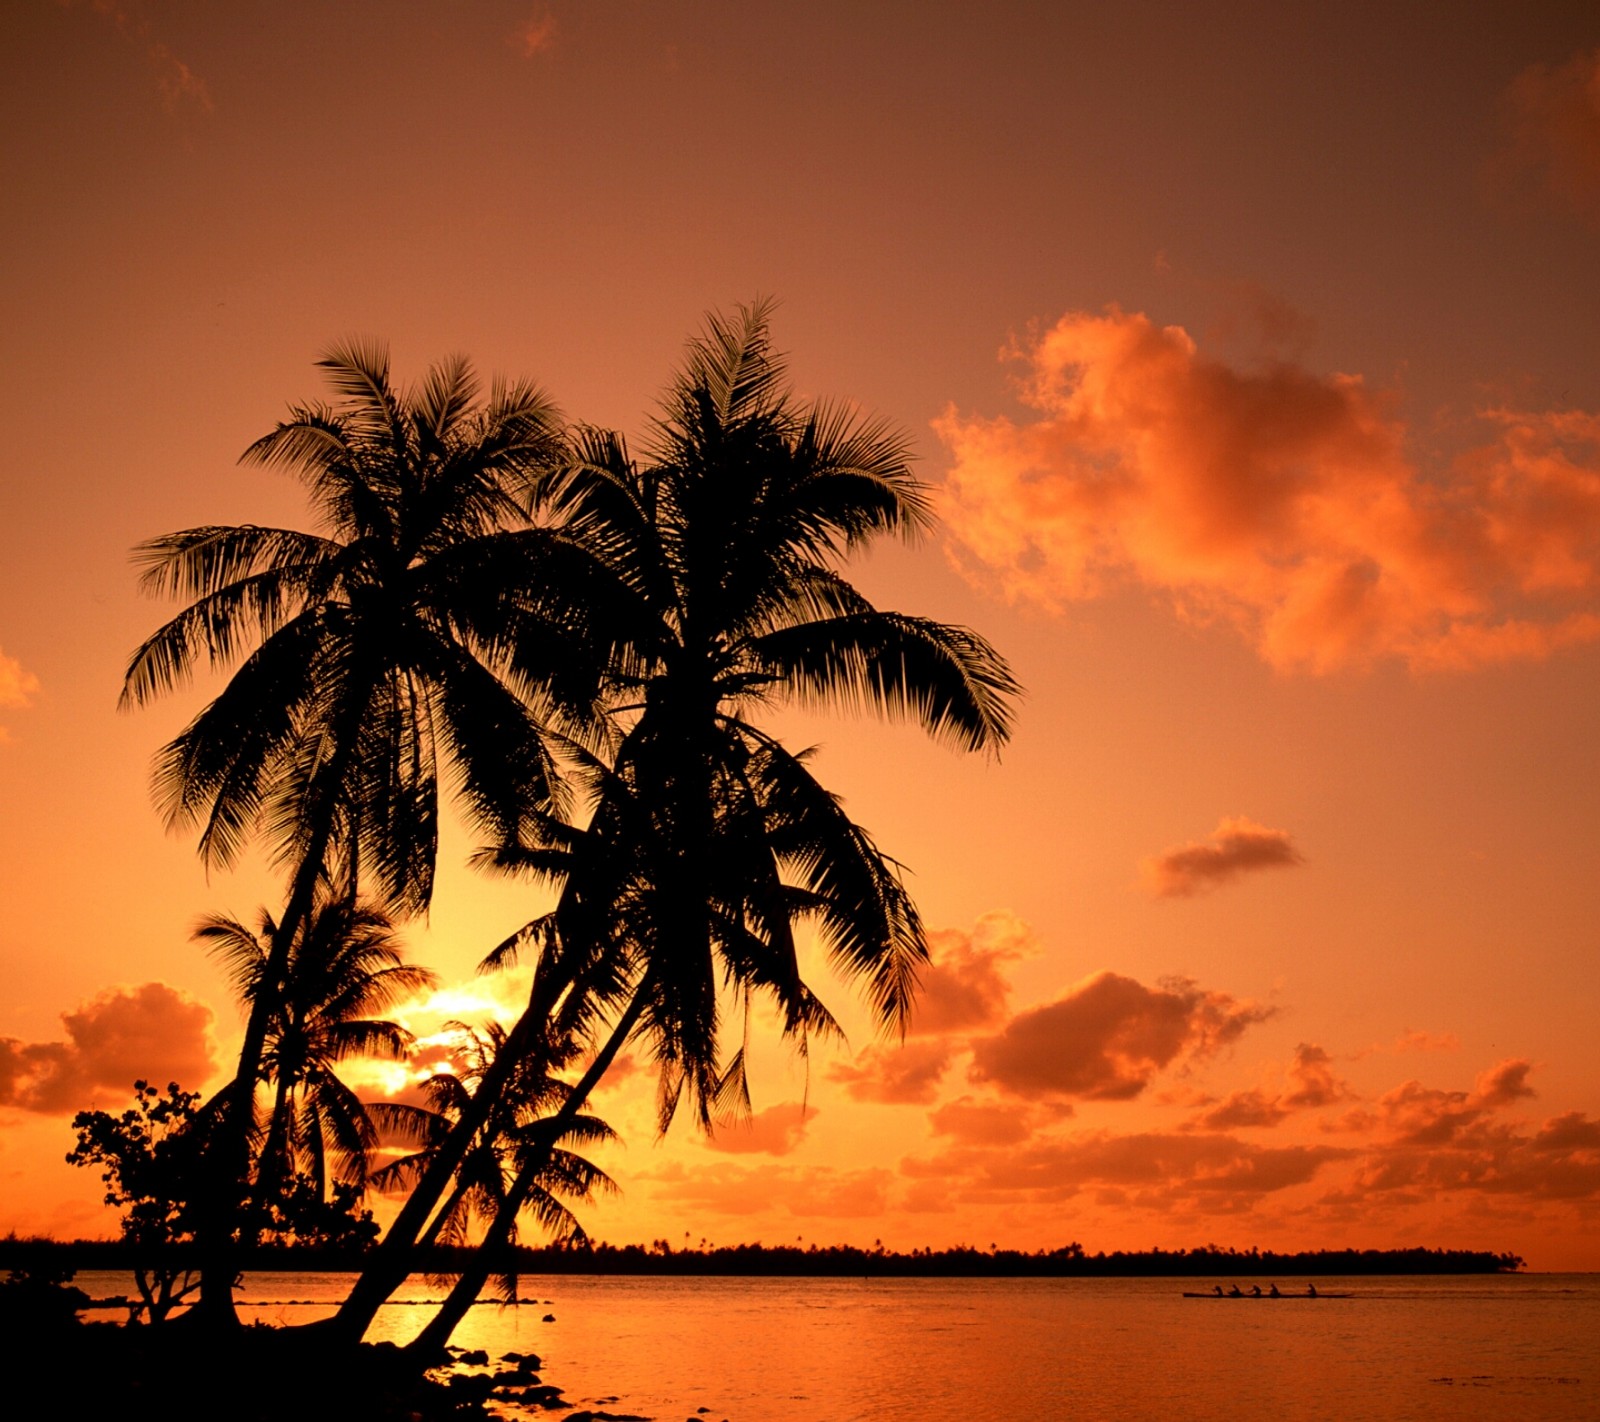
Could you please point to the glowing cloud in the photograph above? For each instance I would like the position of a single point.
(1552, 113)
(1418, 1040)
(1418, 1115)
(537, 34)
(177, 82)
(775, 1131)
(899, 1075)
(1446, 1142)
(1236, 847)
(963, 989)
(17, 687)
(1279, 501)
(1150, 1169)
(964, 986)
(1311, 1084)
(817, 1191)
(985, 1123)
(1108, 1037)
(151, 1031)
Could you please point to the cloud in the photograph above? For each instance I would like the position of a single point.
(177, 83)
(151, 1031)
(537, 34)
(1418, 1040)
(18, 686)
(898, 1075)
(1418, 1115)
(1108, 1037)
(818, 1191)
(964, 987)
(1150, 1169)
(1552, 120)
(962, 990)
(1243, 1109)
(1281, 502)
(1503, 1083)
(1570, 1131)
(1237, 846)
(1311, 1084)
(775, 1131)
(989, 1123)
(1444, 1142)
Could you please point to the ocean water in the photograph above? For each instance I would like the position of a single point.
(1520, 1348)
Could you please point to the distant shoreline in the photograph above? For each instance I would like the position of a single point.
(830, 1261)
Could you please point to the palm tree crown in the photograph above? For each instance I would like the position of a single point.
(426, 620)
(489, 1167)
(378, 640)
(344, 968)
(709, 838)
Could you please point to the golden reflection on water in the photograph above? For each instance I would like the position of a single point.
(1104, 1350)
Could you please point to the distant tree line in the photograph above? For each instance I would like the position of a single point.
(825, 1261)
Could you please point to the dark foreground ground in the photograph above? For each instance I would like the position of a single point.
(59, 1369)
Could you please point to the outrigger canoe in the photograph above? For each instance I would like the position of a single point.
(1318, 1295)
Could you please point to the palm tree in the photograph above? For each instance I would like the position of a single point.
(493, 1161)
(709, 839)
(343, 968)
(426, 620)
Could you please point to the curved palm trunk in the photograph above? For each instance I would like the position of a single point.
(390, 1261)
(273, 1167)
(228, 1180)
(467, 1288)
(430, 1236)
(229, 1177)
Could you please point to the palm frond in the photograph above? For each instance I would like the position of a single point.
(947, 678)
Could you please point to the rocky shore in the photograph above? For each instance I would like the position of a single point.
(93, 1371)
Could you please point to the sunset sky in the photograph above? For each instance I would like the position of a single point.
(1253, 352)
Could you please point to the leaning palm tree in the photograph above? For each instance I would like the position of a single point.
(344, 967)
(424, 621)
(709, 840)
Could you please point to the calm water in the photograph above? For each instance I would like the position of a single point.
(1122, 1350)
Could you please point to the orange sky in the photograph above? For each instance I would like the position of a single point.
(1257, 357)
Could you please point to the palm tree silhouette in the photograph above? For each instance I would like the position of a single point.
(344, 967)
(709, 839)
(486, 1172)
(427, 620)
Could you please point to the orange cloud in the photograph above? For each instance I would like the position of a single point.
(775, 1131)
(906, 1073)
(18, 686)
(1418, 1040)
(1312, 1084)
(1108, 1037)
(151, 1031)
(818, 1191)
(984, 1123)
(1419, 1115)
(1148, 1169)
(1237, 846)
(177, 82)
(964, 987)
(537, 34)
(1447, 1141)
(1552, 115)
(1276, 500)
(1243, 1109)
